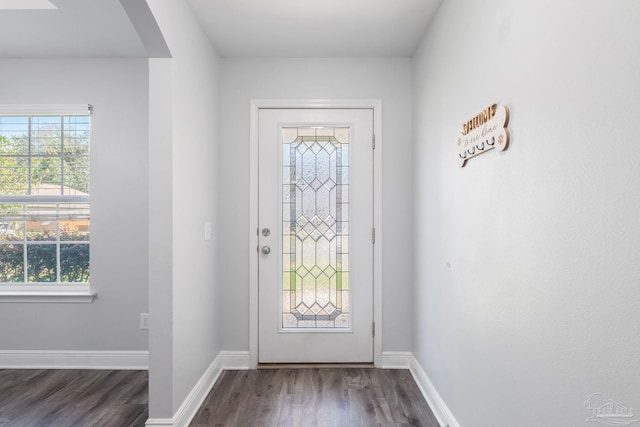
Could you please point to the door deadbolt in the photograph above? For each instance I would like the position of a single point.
(266, 232)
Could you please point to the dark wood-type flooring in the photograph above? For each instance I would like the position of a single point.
(73, 398)
(327, 397)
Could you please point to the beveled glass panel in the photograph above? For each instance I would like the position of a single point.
(315, 195)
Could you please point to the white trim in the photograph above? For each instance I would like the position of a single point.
(45, 109)
(194, 399)
(155, 422)
(240, 360)
(51, 296)
(377, 224)
(438, 407)
(226, 360)
(315, 103)
(255, 106)
(396, 360)
(254, 116)
(44, 359)
(235, 360)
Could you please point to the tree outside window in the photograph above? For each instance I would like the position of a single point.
(44, 199)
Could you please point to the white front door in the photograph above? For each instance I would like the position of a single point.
(315, 272)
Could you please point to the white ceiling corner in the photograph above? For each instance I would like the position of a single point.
(237, 28)
(294, 28)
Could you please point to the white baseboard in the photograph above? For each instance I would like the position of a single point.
(239, 360)
(396, 360)
(437, 405)
(235, 360)
(44, 359)
(158, 422)
(226, 360)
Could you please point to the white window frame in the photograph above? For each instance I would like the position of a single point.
(25, 292)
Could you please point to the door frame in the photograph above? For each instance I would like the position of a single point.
(255, 106)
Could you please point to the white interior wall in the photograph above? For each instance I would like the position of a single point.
(160, 238)
(245, 79)
(119, 193)
(188, 92)
(539, 307)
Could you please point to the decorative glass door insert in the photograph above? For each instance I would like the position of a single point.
(314, 244)
(315, 229)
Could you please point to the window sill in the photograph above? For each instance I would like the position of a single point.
(56, 296)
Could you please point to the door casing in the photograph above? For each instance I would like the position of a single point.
(255, 106)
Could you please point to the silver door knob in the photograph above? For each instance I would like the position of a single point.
(266, 250)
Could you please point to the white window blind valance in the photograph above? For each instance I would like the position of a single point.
(45, 109)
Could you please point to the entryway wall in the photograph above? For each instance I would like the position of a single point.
(42, 332)
(527, 273)
(388, 79)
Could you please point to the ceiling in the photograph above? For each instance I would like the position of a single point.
(77, 28)
(315, 28)
(237, 28)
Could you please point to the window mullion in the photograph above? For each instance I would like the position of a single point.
(62, 154)
(58, 275)
(58, 272)
(24, 245)
(29, 163)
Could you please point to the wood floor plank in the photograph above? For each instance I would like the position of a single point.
(73, 398)
(312, 397)
(308, 397)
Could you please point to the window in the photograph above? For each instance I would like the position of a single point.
(44, 198)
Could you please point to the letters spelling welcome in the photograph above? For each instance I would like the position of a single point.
(482, 118)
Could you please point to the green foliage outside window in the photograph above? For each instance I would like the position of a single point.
(50, 156)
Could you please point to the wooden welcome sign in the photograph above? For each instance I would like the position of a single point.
(484, 132)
